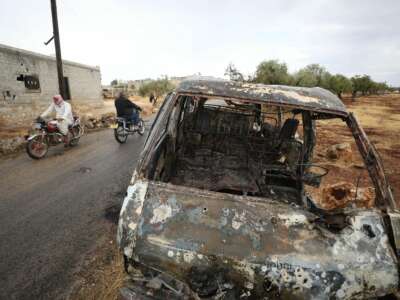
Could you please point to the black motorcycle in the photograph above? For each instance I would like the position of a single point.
(123, 128)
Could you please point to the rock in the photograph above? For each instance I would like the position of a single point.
(332, 153)
(11, 145)
(89, 125)
(343, 146)
(110, 115)
(340, 151)
(107, 119)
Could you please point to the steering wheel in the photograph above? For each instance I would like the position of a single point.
(313, 178)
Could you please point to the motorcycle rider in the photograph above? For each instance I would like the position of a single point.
(127, 109)
(63, 115)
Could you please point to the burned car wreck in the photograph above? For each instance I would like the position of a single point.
(218, 206)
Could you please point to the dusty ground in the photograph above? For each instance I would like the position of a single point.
(379, 116)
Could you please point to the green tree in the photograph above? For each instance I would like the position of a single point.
(114, 82)
(361, 84)
(312, 75)
(158, 87)
(378, 87)
(340, 84)
(272, 72)
(233, 73)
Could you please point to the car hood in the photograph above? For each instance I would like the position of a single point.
(259, 246)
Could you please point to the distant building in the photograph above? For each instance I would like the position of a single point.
(29, 79)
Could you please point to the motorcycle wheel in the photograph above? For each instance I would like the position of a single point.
(75, 132)
(141, 127)
(37, 147)
(120, 134)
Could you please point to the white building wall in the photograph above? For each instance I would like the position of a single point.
(16, 101)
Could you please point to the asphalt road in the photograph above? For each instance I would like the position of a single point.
(52, 211)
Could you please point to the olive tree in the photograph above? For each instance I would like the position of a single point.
(340, 84)
(312, 75)
(361, 84)
(156, 87)
(378, 87)
(272, 72)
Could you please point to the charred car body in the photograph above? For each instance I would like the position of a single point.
(217, 207)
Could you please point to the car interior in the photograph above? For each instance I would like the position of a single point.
(236, 147)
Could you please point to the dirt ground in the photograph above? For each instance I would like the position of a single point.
(108, 107)
(378, 115)
(102, 273)
(380, 118)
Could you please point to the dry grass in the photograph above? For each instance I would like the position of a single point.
(144, 103)
(102, 278)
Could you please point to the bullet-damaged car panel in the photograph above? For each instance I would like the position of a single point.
(218, 206)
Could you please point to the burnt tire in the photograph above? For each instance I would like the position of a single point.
(120, 134)
(75, 132)
(37, 148)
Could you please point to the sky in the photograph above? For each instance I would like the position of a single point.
(132, 39)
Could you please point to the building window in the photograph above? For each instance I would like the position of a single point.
(31, 82)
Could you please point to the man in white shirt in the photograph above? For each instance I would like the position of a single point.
(63, 114)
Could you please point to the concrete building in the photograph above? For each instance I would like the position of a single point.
(28, 81)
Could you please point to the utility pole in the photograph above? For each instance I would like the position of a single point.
(56, 36)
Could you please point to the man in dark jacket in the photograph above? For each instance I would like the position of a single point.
(127, 109)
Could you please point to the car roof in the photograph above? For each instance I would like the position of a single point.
(313, 99)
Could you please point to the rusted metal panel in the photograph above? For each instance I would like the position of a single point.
(394, 219)
(313, 99)
(259, 246)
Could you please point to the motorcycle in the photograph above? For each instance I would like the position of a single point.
(123, 128)
(46, 134)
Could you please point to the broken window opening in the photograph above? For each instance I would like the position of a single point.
(31, 82)
(348, 183)
(252, 149)
(234, 147)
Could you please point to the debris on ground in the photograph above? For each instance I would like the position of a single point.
(340, 151)
(103, 121)
(10, 145)
(339, 195)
